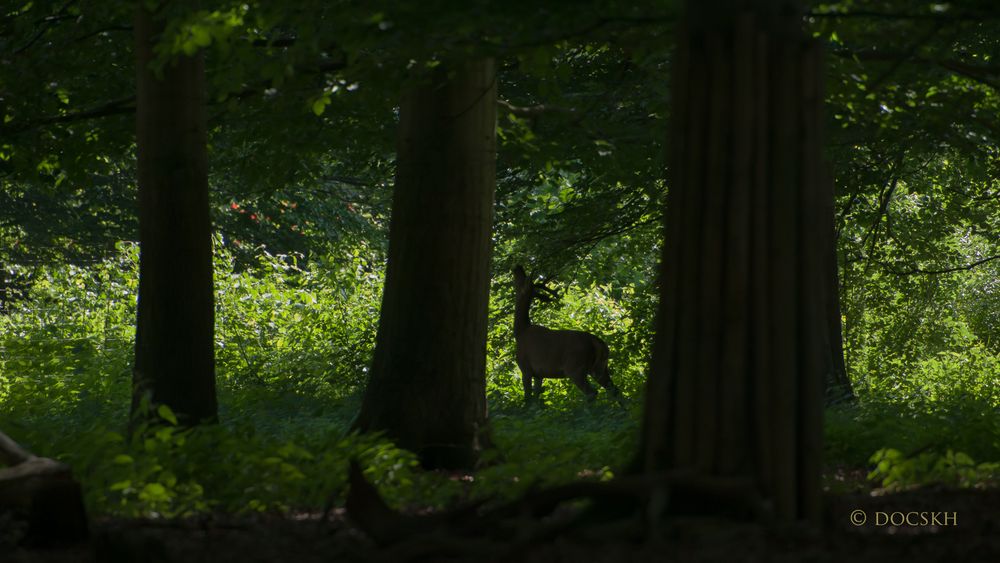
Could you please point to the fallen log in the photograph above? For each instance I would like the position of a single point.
(42, 493)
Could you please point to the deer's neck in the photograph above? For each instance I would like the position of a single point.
(522, 319)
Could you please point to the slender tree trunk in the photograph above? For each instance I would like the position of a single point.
(174, 354)
(742, 348)
(427, 388)
(838, 385)
(4, 290)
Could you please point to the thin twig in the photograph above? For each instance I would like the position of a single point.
(964, 267)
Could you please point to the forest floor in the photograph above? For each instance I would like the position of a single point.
(969, 532)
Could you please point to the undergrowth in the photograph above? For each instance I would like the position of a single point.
(293, 347)
(294, 340)
(936, 422)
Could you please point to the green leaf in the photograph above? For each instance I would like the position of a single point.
(168, 479)
(166, 414)
(964, 459)
(201, 36)
(319, 106)
(154, 491)
(164, 434)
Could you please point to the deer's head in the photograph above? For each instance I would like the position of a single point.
(527, 290)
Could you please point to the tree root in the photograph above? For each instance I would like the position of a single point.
(43, 493)
(627, 509)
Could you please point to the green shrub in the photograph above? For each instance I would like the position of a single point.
(294, 341)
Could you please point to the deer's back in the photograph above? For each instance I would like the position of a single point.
(558, 352)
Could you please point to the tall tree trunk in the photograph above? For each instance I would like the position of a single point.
(427, 388)
(174, 354)
(742, 350)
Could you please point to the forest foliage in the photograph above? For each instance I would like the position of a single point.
(301, 178)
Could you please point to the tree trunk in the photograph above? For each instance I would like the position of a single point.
(742, 350)
(427, 388)
(174, 354)
(838, 385)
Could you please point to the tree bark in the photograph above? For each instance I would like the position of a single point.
(742, 344)
(174, 348)
(427, 387)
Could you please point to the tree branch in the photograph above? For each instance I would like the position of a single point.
(121, 106)
(118, 27)
(46, 22)
(910, 52)
(870, 14)
(592, 27)
(922, 271)
(532, 111)
(126, 105)
(982, 73)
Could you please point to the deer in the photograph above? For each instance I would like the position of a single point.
(546, 353)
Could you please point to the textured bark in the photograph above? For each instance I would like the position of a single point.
(742, 345)
(427, 388)
(174, 354)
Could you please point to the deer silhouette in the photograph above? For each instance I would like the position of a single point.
(546, 353)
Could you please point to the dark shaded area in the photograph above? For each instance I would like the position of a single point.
(305, 538)
(40, 502)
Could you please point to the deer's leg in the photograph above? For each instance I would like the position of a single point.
(603, 376)
(525, 380)
(538, 386)
(580, 379)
